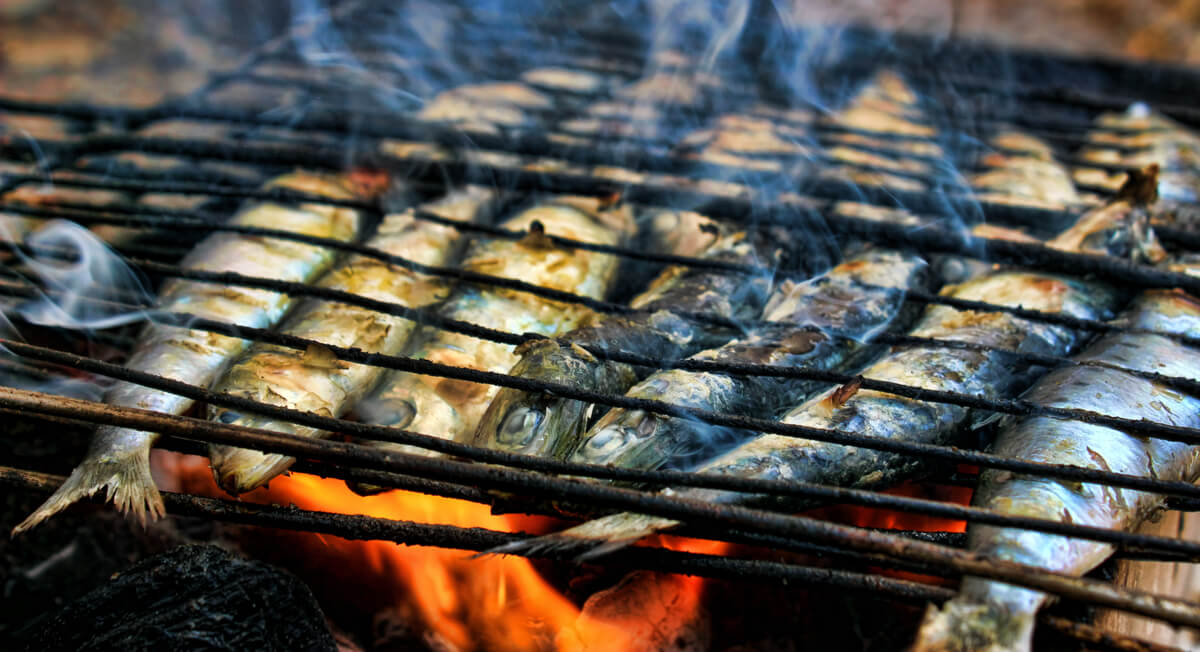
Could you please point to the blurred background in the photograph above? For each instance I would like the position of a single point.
(135, 52)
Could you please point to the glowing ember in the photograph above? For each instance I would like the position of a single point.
(488, 603)
(870, 517)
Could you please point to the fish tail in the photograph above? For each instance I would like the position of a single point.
(593, 539)
(238, 470)
(963, 625)
(123, 471)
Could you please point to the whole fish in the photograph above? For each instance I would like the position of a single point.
(1154, 139)
(450, 408)
(1023, 171)
(538, 424)
(993, 616)
(885, 106)
(1113, 229)
(315, 381)
(119, 458)
(825, 323)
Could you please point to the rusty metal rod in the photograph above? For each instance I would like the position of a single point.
(363, 528)
(808, 491)
(1172, 610)
(298, 288)
(712, 566)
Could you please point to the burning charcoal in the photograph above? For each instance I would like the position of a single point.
(192, 597)
(645, 611)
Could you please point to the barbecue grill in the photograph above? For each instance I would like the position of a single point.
(972, 90)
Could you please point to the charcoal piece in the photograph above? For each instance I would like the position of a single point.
(191, 598)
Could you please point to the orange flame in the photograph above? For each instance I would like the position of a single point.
(871, 517)
(489, 603)
(886, 519)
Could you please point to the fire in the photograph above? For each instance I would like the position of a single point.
(886, 519)
(465, 603)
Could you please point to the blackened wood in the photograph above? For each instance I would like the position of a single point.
(193, 597)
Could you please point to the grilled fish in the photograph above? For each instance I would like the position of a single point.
(538, 424)
(312, 382)
(993, 616)
(450, 408)
(887, 107)
(825, 323)
(1112, 229)
(1024, 172)
(1154, 139)
(118, 459)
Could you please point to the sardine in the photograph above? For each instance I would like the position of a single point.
(887, 106)
(450, 408)
(1024, 172)
(119, 458)
(485, 107)
(1155, 139)
(314, 381)
(826, 323)
(993, 616)
(538, 424)
(1113, 229)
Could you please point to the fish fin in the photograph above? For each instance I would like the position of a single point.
(238, 470)
(590, 540)
(963, 625)
(123, 474)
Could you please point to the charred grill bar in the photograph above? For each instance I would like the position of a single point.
(263, 143)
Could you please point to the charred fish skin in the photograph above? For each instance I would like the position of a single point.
(118, 458)
(312, 381)
(1155, 139)
(997, 616)
(1114, 229)
(536, 424)
(642, 440)
(450, 408)
(972, 372)
(826, 323)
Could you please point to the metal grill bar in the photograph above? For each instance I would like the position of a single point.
(1054, 111)
(718, 567)
(1011, 406)
(932, 240)
(796, 489)
(1154, 606)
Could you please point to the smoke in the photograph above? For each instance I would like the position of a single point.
(76, 283)
(79, 282)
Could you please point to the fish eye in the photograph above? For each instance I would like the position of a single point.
(646, 426)
(606, 440)
(520, 426)
(228, 416)
(404, 414)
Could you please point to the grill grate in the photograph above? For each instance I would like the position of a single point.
(315, 132)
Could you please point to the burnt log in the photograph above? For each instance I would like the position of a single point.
(193, 597)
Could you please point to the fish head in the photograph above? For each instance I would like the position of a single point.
(415, 405)
(530, 423)
(624, 438)
(534, 423)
